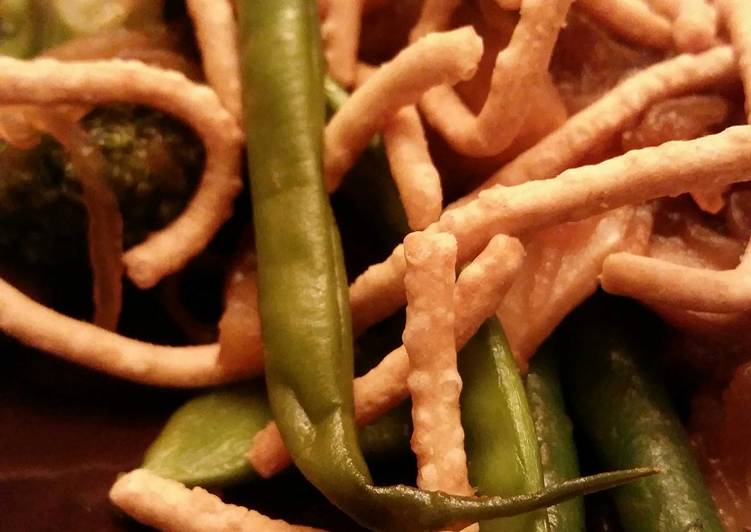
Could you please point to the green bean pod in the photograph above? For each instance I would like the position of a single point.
(302, 287)
(303, 290)
(624, 411)
(555, 437)
(502, 452)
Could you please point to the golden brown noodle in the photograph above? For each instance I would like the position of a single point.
(561, 269)
(595, 125)
(570, 222)
(435, 15)
(48, 81)
(635, 177)
(433, 381)
(521, 64)
(694, 23)
(685, 287)
(216, 31)
(684, 118)
(398, 83)
(737, 15)
(631, 19)
(340, 31)
(88, 345)
(412, 168)
(170, 506)
(414, 173)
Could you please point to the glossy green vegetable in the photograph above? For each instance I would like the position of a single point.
(500, 440)
(555, 437)
(303, 290)
(206, 441)
(624, 411)
(302, 299)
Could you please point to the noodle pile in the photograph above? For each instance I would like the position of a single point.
(573, 198)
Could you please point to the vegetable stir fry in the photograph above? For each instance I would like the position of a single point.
(512, 172)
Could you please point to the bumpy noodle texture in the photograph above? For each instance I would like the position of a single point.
(561, 269)
(572, 223)
(631, 19)
(433, 381)
(694, 22)
(682, 118)
(402, 81)
(686, 287)
(216, 32)
(633, 178)
(169, 506)
(83, 343)
(478, 289)
(415, 175)
(521, 64)
(340, 31)
(239, 353)
(48, 81)
(594, 125)
(737, 15)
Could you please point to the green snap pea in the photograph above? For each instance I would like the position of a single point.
(206, 441)
(625, 413)
(555, 437)
(303, 290)
(369, 185)
(502, 451)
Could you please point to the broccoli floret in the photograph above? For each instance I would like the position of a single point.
(154, 163)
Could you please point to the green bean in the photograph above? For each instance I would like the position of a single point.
(555, 437)
(303, 290)
(626, 415)
(500, 440)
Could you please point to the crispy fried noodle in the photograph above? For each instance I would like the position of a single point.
(573, 197)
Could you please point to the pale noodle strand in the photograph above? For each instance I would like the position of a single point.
(48, 81)
(217, 35)
(633, 178)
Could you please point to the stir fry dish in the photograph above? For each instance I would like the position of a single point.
(462, 265)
